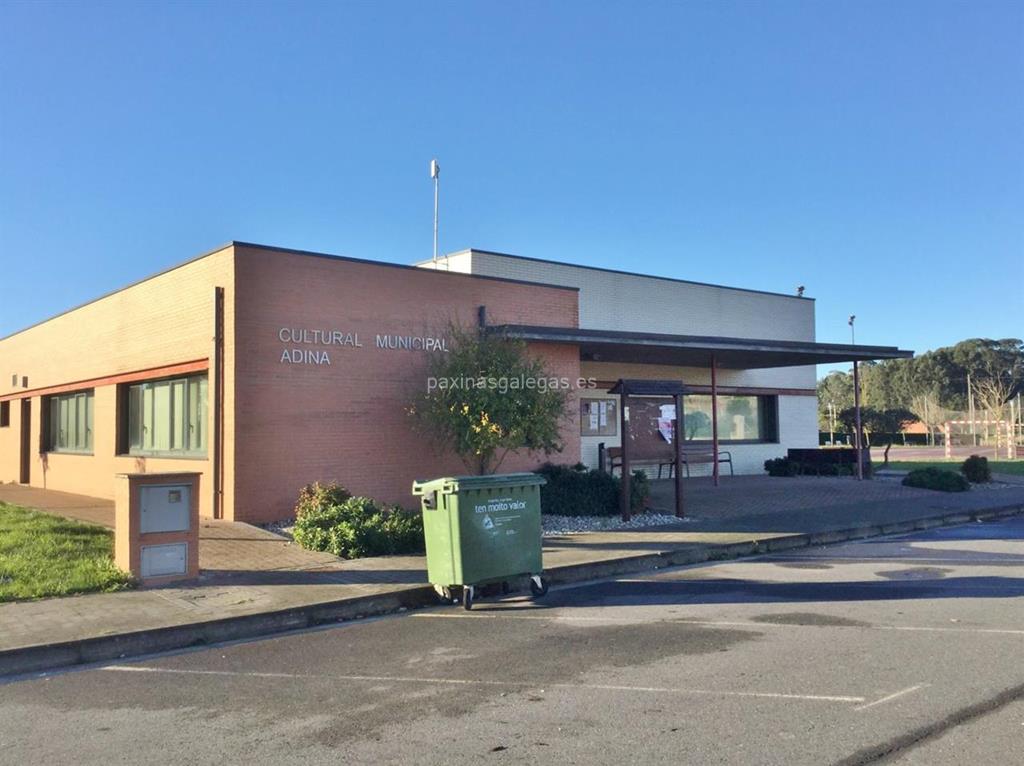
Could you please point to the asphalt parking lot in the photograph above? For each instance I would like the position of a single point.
(905, 649)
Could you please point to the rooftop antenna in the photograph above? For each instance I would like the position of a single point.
(800, 291)
(435, 173)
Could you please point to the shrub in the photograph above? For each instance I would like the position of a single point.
(578, 491)
(317, 496)
(936, 478)
(976, 469)
(358, 527)
(780, 466)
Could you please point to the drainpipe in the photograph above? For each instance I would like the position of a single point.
(218, 402)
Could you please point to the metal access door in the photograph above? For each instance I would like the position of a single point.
(26, 441)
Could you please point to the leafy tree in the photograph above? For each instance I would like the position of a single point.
(502, 401)
(996, 368)
(848, 418)
(887, 423)
(933, 385)
(837, 388)
(887, 384)
(883, 423)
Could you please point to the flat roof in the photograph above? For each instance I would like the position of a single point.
(291, 251)
(621, 272)
(697, 350)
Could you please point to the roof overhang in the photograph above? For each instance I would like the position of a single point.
(658, 388)
(697, 350)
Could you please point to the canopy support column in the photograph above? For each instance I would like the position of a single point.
(679, 454)
(714, 419)
(625, 498)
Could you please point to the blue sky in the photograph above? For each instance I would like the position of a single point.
(871, 151)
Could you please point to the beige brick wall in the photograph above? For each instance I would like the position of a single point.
(162, 321)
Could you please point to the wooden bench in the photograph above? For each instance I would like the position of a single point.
(691, 455)
(667, 459)
(661, 460)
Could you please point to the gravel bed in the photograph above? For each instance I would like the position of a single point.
(551, 525)
(568, 525)
(283, 528)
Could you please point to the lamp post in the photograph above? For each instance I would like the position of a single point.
(832, 424)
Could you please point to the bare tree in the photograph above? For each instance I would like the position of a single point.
(992, 393)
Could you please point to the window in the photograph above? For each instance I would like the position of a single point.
(740, 418)
(5, 414)
(168, 417)
(70, 422)
(598, 417)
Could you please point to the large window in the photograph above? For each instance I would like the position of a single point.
(740, 418)
(70, 422)
(168, 417)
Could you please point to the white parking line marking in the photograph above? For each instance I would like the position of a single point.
(891, 697)
(506, 684)
(505, 614)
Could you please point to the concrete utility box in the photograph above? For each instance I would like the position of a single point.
(156, 532)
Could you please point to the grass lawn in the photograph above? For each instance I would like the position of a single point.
(43, 555)
(1015, 467)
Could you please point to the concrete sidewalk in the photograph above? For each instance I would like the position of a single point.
(239, 599)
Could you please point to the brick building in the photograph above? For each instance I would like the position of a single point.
(265, 368)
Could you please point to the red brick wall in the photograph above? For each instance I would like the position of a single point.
(298, 423)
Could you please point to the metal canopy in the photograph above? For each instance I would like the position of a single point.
(697, 350)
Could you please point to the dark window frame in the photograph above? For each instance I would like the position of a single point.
(52, 434)
(132, 444)
(768, 416)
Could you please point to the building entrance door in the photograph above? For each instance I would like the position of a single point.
(26, 441)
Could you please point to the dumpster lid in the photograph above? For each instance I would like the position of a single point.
(450, 484)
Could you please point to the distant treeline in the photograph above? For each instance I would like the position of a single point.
(936, 386)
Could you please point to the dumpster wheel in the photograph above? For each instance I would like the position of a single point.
(467, 597)
(444, 594)
(538, 586)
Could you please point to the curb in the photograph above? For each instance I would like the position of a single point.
(42, 657)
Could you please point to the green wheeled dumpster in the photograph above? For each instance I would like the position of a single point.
(482, 530)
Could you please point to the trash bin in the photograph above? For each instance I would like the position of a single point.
(481, 530)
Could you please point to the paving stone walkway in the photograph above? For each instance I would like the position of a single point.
(250, 571)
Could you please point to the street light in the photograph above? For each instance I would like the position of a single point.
(856, 404)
